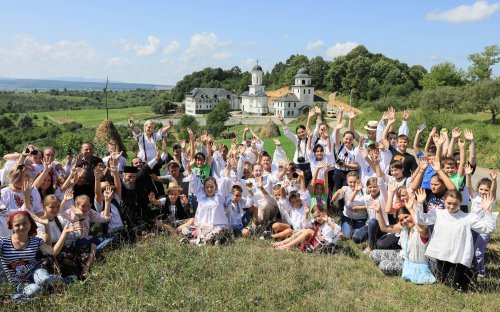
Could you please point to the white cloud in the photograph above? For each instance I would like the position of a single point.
(479, 11)
(117, 61)
(221, 55)
(206, 44)
(340, 49)
(153, 46)
(314, 45)
(434, 58)
(172, 47)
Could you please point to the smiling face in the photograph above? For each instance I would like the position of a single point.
(257, 170)
(296, 202)
(87, 151)
(319, 216)
(47, 181)
(21, 224)
(301, 133)
(351, 181)
(319, 152)
(265, 161)
(149, 127)
(173, 195)
(405, 220)
(373, 189)
(347, 139)
(210, 188)
(51, 210)
(450, 169)
(49, 154)
(83, 204)
(483, 190)
(236, 196)
(402, 144)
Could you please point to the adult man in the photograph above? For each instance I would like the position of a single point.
(88, 162)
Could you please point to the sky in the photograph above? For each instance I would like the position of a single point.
(162, 41)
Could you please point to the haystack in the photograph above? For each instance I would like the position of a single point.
(269, 130)
(107, 131)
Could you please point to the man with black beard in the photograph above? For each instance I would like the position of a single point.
(137, 214)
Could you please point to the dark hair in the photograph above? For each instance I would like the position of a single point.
(300, 127)
(238, 188)
(200, 154)
(317, 146)
(372, 147)
(484, 181)
(403, 137)
(176, 146)
(293, 195)
(397, 165)
(391, 133)
(265, 154)
(402, 210)
(349, 132)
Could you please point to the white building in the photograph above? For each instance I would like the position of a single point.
(301, 97)
(254, 101)
(204, 100)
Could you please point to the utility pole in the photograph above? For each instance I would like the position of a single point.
(106, 98)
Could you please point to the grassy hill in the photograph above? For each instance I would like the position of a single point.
(159, 274)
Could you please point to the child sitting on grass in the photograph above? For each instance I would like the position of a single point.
(324, 234)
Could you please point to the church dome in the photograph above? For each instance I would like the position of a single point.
(302, 73)
(257, 67)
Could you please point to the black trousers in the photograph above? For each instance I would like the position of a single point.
(455, 275)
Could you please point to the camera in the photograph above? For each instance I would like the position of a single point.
(301, 159)
(339, 162)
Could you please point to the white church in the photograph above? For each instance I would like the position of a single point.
(301, 97)
(254, 101)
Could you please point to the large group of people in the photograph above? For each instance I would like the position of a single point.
(418, 215)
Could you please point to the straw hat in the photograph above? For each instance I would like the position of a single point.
(372, 125)
(173, 186)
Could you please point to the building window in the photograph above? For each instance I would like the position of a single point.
(309, 91)
(288, 105)
(303, 82)
(294, 104)
(304, 91)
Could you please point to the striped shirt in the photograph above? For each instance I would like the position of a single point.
(19, 264)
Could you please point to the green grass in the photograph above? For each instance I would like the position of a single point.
(248, 275)
(93, 117)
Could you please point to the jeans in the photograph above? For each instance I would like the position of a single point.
(351, 227)
(41, 279)
(370, 231)
(480, 242)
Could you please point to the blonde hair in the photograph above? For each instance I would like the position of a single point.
(81, 198)
(51, 199)
(17, 173)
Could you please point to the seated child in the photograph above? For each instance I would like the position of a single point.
(324, 234)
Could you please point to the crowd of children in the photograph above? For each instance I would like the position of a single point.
(419, 215)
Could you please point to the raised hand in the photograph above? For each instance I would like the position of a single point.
(131, 122)
(468, 135)
(108, 193)
(435, 164)
(43, 221)
(98, 172)
(152, 198)
(461, 143)
(468, 169)
(406, 114)
(486, 202)
(392, 187)
(352, 114)
(276, 141)
(184, 200)
(340, 125)
(68, 195)
(455, 133)
(421, 196)
(493, 174)
(299, 172)
(183, 144)
(432, 132)
(311, 113)
(359, 186)
(322, 164)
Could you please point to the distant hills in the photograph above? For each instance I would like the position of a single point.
(27, 85)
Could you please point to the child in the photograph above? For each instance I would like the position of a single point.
(400, 153)
(203, 164)
(484, 187)
(319, 188)
(294, 210)
(210, 221)
(81, 215)
(410, 261)
(323, 235)
(452, 243)
(237, 211)
(172, 208)
(18, 255)
(354, 213)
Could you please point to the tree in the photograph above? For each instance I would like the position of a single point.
(186, 121)
(443, 74)
(6, 122)
(217, 117)
(443, 98)
(318, 69)
(482, 63)
(484, 96)
(25, 122)
(162, 107)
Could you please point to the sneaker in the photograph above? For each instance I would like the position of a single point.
(266, 235)
(480, 275)
(367, 250)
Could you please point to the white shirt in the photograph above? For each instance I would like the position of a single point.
(328, 233)
(55, 232)
(359, 200)
(116, 221)
(15, 200)
(452, 235)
